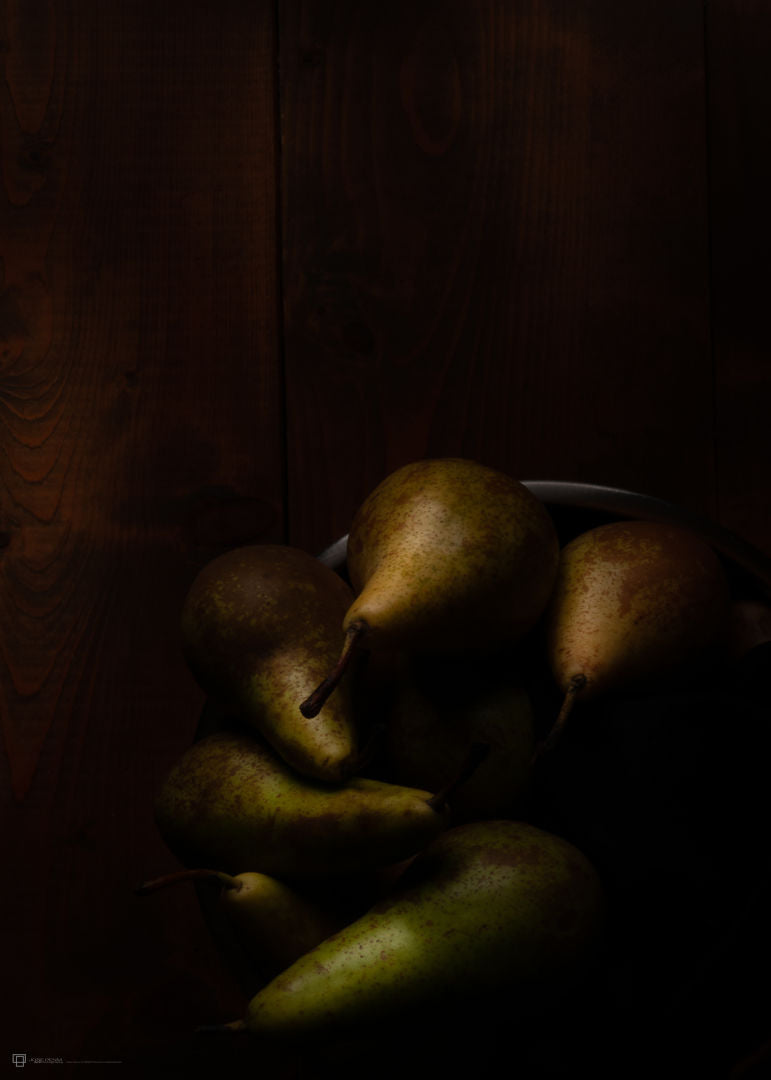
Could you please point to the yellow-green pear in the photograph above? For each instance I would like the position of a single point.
(446, 554)
(273, 923)
(231, 802)
(489, 907)
(632, 601)
(260, 627)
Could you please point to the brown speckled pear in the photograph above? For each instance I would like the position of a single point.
(632, 601)
(273, 923)
(231, 802)
(488, 907)
(260, 627)
(445, 554)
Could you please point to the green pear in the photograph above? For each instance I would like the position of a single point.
(260, 626)
(444, 555)
(487, 908)
(231, 802)
(633, 601)
(439, 708)
(274, 924)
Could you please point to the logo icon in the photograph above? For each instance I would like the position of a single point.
(19, 1060)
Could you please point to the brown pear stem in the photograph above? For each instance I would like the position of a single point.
(227, 880)
(575, 686)
(313, 705)
(477, 753)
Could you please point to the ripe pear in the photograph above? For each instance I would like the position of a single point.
(444, 555)
(633, 600)
(231, 802)
(438, 710)
(260, 626)
(273, 923)
(487, 908)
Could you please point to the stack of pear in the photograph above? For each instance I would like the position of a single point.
(488, 907)
(260, 627)
(452, 564)
(444, 555)
(231, 803)
(633, 601)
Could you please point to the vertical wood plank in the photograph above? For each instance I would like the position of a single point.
(495, 245)
(140, 404)
(739, 35)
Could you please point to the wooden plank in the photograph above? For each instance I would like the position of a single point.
(495, 245)
(141, 433)
(739, 37)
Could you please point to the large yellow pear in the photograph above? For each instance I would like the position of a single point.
(446, 554)
(489, 907)
(632, 601)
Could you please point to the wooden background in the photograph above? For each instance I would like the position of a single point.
(256, 255)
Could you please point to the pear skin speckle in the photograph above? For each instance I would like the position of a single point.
(488, 906)
(260, 628)
(632, 600)
(447, 553)
(231, 803)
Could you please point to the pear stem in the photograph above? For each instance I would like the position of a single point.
(313, 705)
(575, 686)
(477, 753)
(227, 880)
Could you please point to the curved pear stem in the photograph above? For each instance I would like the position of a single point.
(477, 753)
(313, 705)
(575, 686)
(227, 880)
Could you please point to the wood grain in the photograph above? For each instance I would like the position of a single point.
(141, 434)
(739, 34)
(495, 245)
(531, 232)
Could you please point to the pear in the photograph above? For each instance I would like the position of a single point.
(260, 626)
(446, 554)
(633, 601)
(439, 709)
(274, 924)
(487, 908)
(231, 802)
